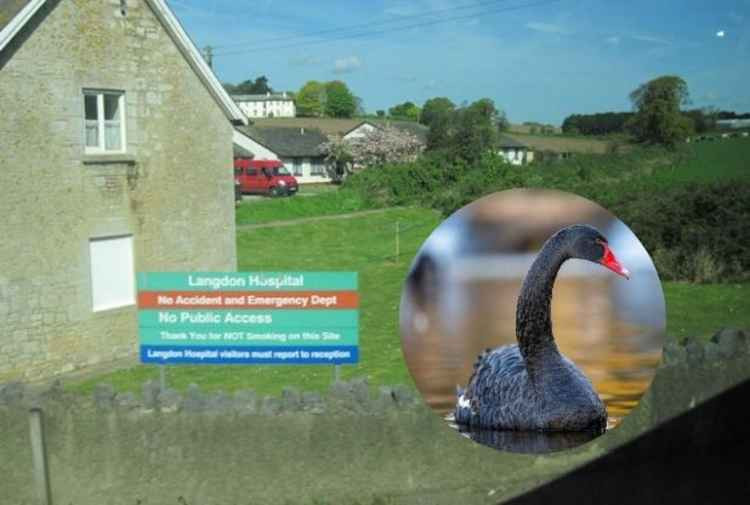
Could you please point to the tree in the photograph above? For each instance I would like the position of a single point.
(406, 110)
(502, 121)
(704, 120)
(657, 116)
(439, 134)
(259, 86)
(476, 130)
(310, 100)
(380, 113)
(378, 146)
(435, 109)
(359, 109)
(340, 101)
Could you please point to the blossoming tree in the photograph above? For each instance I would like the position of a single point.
(376, 147)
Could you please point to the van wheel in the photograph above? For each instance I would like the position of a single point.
(275, 191)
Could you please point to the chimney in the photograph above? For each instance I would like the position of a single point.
(268, 93)
(284, 94)
(301, 131)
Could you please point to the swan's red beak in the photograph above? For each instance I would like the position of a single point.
(609, 261)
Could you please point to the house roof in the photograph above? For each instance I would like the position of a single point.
(505, 141)
(241, 152)
(287, 141)
(336, 127)
(9, 9)
(14, 14)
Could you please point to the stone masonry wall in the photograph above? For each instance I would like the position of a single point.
(173, 191)
(350, 446)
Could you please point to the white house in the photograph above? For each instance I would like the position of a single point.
(268, 105)
(297, 148)
(514, 152)
(360, 130)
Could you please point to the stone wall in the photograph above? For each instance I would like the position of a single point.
(345, 447)
(173, 190)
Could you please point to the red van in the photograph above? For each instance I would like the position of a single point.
(268, 177)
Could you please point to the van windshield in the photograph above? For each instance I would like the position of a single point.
(276, 171)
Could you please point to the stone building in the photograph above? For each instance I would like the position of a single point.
(115, 158)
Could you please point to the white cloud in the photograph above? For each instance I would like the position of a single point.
(547, 28)
(614, 40)
(720, 33)
(304, 60)
(650, 38)
(346, 65)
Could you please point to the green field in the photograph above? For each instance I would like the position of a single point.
(323, 201)
(709, 161)
(366, 244)
(699, 310)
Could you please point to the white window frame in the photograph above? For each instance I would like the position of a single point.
(101, 147)
(112, 286)
(297, 169)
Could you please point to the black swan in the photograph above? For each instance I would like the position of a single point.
(531, 385)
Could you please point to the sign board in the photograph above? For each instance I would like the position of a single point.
(248, 317)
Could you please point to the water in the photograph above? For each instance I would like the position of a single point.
(441, 340)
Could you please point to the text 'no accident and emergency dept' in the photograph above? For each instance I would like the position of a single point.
(248, 317)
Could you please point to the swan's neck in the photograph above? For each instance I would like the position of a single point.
(533, 321)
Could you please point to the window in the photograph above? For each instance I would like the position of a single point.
(317, 168)
(112, 275)
(105, 121)
(297, 167)
(252, 171)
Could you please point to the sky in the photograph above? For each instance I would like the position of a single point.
(539, 60)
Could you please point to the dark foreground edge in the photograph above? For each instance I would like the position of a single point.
(701, 456)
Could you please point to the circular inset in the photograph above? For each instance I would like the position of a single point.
(533, 320)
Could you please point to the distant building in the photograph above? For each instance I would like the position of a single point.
(338, 128)
(419, 131)
(297, 148)
(514, 152)
(268, 105)
(733, 123)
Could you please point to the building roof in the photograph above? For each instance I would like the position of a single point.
(241, 152)
(14, 14)
(262, 98)
(337, 127)
(9, 9)
(287, 141)
(505, 141)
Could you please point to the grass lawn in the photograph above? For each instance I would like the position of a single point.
(321, 202)
(366, 244)
(363, 244)
(316, 188)
(702, 309)
(720, 159)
